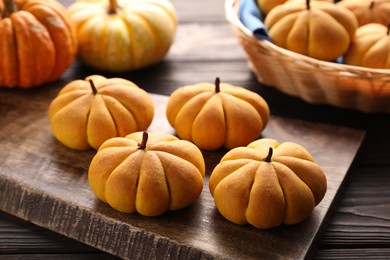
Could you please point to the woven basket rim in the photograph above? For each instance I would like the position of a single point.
(231, 13)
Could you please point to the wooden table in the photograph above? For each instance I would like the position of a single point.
(358, 225)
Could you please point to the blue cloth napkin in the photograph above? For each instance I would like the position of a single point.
(252, 18)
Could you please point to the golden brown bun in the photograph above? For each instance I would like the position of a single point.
(249, 189)
(167, 174)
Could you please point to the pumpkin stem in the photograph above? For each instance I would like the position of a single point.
(268, 158)
(94, 89)
(113, 7)
(142, 145)
(217, 87)
(388, 29)
(308, 4)
(372, 4)
(9, 8)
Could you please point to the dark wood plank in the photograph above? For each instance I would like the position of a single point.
(22, 237)
(362, 217)
(359, 227)
(354, 253)
(45, 183)
(60, 256)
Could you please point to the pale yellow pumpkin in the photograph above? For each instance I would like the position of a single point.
(370, 47)
(267, 184)
(123, 35)
(320, 30)
(147, 173)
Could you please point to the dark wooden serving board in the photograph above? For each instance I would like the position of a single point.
(45, 183)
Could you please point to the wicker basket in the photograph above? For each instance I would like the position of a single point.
(315, 81)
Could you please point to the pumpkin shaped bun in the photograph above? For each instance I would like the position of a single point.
(317, 29)
(87, 112)
(369, 11)
(147, 173)
(370, 47)
(38, 42)
(123, 35)
(267, 184)
(267, 5)
(217, 115)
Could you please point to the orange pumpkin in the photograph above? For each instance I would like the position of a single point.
(266, 184)
(38, 42)
(147, 173)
